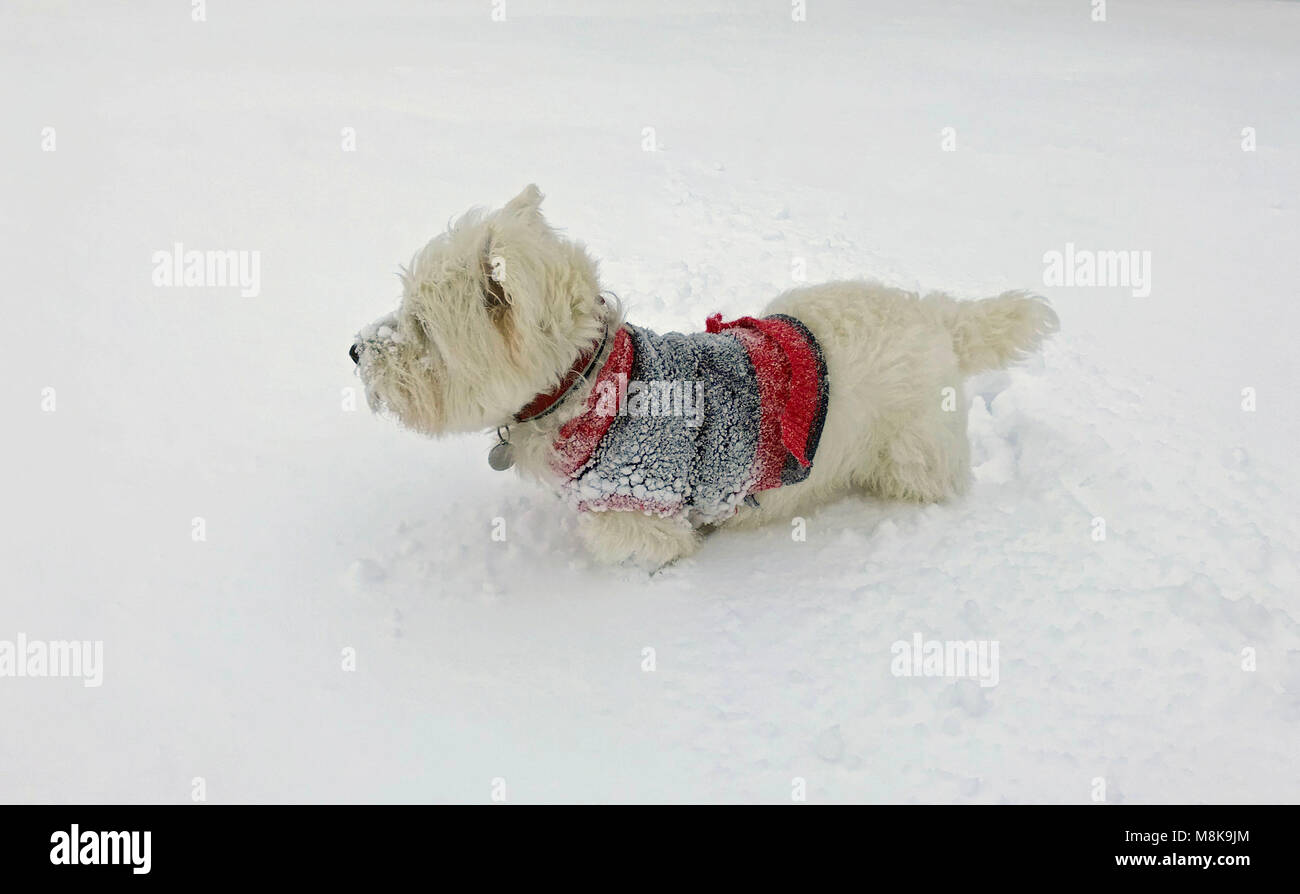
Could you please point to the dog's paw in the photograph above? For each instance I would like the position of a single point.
(646, 541)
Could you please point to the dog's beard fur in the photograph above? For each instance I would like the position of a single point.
(493, 312)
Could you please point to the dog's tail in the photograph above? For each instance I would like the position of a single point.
(995, 332)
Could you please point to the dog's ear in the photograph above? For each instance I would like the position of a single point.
(495, 298)
(528, 202)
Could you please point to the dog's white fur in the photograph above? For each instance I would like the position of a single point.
(497, 309)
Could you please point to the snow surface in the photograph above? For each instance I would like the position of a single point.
(520, 660)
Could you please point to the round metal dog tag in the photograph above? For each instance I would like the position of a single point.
(501, 457)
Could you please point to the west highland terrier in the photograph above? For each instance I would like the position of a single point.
(655, 439)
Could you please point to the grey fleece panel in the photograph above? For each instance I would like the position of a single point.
(664, 464)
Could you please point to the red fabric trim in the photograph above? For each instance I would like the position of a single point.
(629, 503)
(579, 436)
(802, 398)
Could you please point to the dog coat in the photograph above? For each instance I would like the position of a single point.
(690, 426)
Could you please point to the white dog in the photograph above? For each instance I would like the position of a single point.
(838, 388)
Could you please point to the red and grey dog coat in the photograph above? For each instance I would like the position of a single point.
(690, 426)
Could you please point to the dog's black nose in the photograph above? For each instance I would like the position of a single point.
(355, 353)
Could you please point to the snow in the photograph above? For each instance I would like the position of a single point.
(780, 145)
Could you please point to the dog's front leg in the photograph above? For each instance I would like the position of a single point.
(647, 539)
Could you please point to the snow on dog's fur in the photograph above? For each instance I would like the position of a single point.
(497, 309)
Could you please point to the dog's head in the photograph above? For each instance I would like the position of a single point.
(494, 311)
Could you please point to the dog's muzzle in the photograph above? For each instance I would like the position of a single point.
(355, 352)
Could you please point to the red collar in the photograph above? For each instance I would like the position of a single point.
(547, 401)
